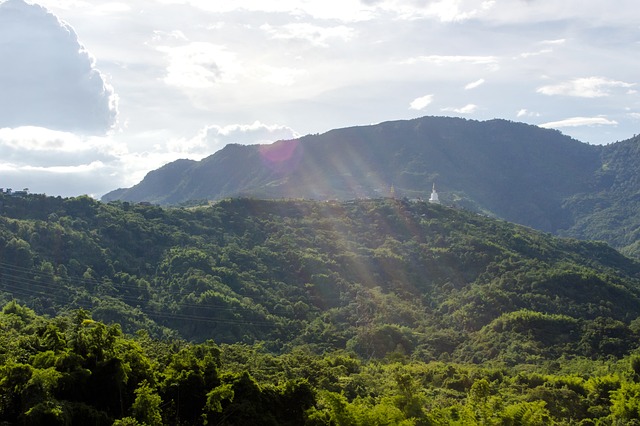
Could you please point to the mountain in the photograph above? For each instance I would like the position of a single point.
(522, 173)
(371, 276)
(518, 172)
(611, 210)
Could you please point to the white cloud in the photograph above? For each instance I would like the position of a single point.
(314, 34)
(346, 10)
(56, 162)
(93, 178)
(44, 147)
(467, 109)
(526, 55)
(555, 42)
(446, 11)
(199, 65)
(111, 8)
(474, 84)
(545, 11)
(421, 102)
(547, 49)
(212, 138)
(47, 77)
(588, 87)
(580, 121)
(82, 168)
(30, 138)
(66, 4)
(490, 62)
(526, 113)
(170, 36)
(453, 11)
(282, 76)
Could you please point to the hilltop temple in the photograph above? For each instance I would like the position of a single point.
(434, 196)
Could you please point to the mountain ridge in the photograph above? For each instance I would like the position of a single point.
(515, 171)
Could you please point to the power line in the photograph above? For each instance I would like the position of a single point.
(12, 281)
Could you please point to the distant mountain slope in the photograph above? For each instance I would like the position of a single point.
(373, 276)
(610, 211)
(515, 171)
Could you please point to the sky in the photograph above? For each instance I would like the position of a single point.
(95, 94)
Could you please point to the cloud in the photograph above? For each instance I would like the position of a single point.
(42, 147)
(213, 137)
(491, 62)
(467, 109)
(526, 55)
(421, 102)
(110, 8)
(94, 179)
(314, 34)
(525, 113)
(447, 11)
(174, 35)
(453, 11)
(474, 84)
(57, 162)
(580, 121)
(345, 10)
(555, 42)
(47, 77)
(62, 170)
(30, 139)
(282, 76)
(545, 11)
(247, 134)
(199, 65)
(589, 87)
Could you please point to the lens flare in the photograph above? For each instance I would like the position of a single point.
(282, 156)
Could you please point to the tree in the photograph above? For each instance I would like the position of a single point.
(625, 404)
(146, 407)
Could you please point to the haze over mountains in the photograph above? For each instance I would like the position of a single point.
(521, 173)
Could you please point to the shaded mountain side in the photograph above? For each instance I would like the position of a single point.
(168, 178)
(515, 171)
(611, 212)
(371, 276)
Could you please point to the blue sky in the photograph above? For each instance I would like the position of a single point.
(96, 94)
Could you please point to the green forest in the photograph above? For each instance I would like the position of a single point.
(275, 312)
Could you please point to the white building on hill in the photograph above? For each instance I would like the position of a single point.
(434, 196)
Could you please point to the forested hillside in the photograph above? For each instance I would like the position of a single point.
(372, 276)
(349, 313)
(382, 306)
(611, 211)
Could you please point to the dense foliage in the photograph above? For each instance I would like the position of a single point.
(374, 277)
(73, 370)
(611, 210)
(371, 312)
